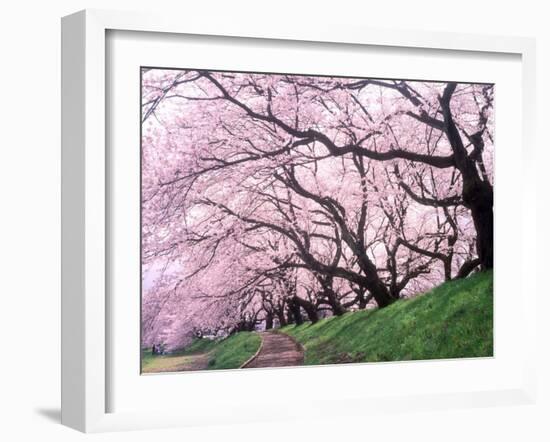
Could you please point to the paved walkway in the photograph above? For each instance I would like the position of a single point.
(278, 350)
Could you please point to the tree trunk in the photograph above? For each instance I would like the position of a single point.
(467, 268)
(309, 308)
(478, 197)
(373, 283)
(289, 316)
(381, 294)
(363, 300)
(294, 308)
(337, 308)
(476, 194)
(281, 317)
(268, 321)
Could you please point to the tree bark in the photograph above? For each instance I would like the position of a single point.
(289, 315)
(478, 197)
(309, 308)
(268, 321)
(381, 294)
(294, 308)
(337, 308)
(467, 268)
(281, 317)
(476, 193)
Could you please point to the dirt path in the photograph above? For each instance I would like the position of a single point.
(277, 350)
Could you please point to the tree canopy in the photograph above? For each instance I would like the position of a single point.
(282, 198)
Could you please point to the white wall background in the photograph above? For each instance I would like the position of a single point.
(30, 216)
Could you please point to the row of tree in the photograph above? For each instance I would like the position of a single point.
(271, 199)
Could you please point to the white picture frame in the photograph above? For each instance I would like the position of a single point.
(85, 199)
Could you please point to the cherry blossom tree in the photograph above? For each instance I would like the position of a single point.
(269, 199)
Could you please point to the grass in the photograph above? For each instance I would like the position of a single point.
(234, 351)
(168, 363)
(454, 320)
(204, 354)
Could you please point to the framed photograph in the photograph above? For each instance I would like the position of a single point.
(262, 212)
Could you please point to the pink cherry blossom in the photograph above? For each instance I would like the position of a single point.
(275, 198)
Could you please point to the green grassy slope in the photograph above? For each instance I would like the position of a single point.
(453, 320)
(234, 351)
(204, 354)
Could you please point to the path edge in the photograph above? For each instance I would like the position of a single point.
(255, 355)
